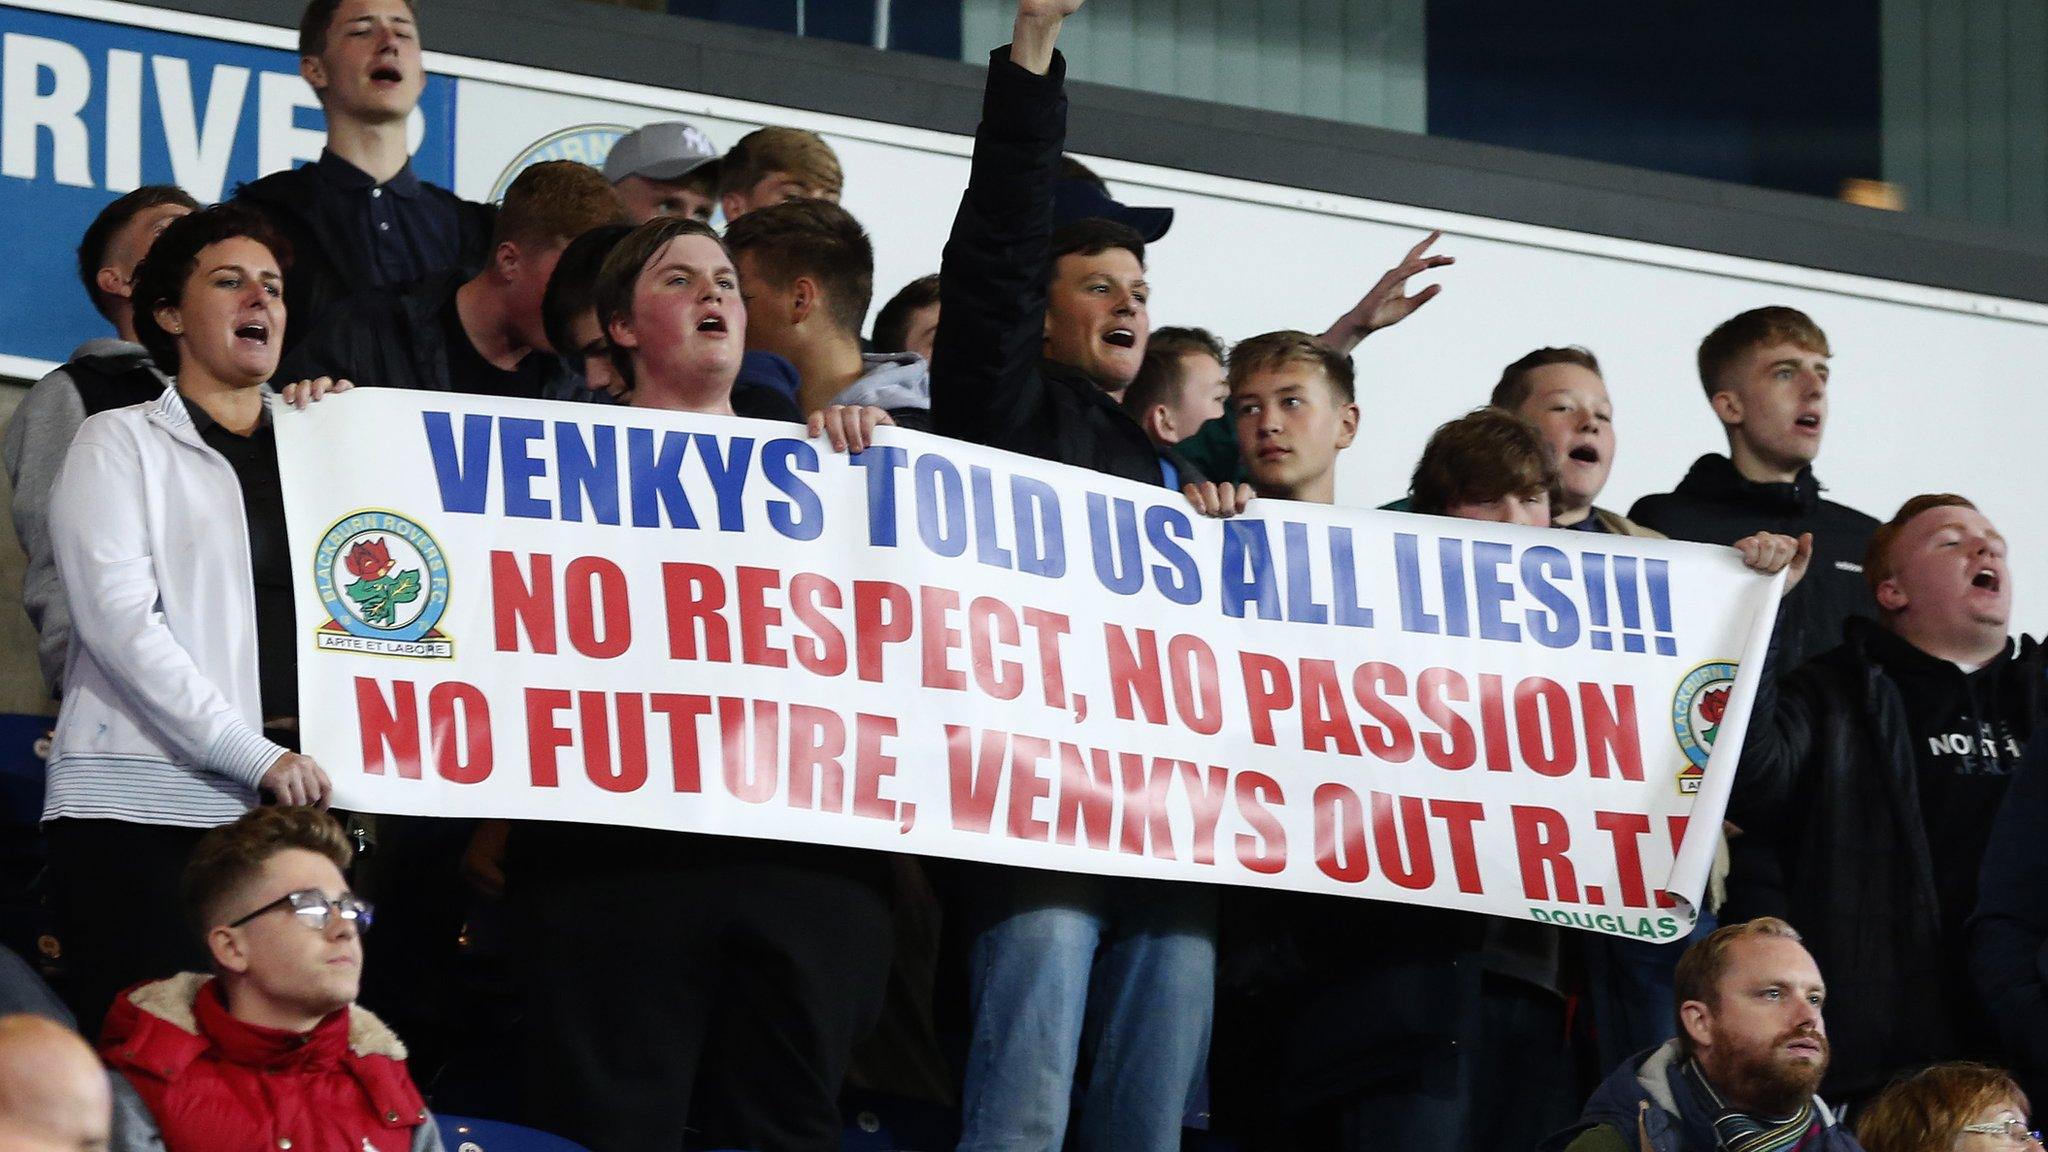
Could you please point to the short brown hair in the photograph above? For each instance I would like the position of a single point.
(804, 155)
(1925, 1111)
(1480, 457)
(555, 201)
(1877, 559)
(230, 856)
(316, 19)
(892, 323)
(160, 276)
(814, 238)
(1699, 972)
(1514, 386)
(1270, 350)
(1188, 342)
(92, 248)
(612, 294)
(1755, 328)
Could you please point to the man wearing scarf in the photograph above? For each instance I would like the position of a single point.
(1741, 1075)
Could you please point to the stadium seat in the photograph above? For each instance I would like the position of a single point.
(463, 1134)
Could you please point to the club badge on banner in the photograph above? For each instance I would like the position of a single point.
(530, 610)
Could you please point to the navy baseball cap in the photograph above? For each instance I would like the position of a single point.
(1074, 199)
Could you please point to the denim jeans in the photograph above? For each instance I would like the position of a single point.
(1120, 970)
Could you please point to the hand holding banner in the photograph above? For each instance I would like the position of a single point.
(530, 610)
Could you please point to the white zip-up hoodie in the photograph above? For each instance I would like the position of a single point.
(161, 721)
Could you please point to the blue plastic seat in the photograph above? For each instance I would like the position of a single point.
(465, 1134)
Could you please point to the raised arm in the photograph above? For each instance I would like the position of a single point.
(985, 380)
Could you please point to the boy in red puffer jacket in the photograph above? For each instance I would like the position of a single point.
(269, 1052)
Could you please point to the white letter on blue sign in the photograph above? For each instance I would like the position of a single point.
(25, 109)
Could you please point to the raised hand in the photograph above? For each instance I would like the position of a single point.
(1387, 302)
(1036, 30)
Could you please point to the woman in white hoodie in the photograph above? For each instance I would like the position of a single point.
(168, 527)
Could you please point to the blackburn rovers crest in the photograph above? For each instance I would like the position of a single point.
(1696, 712)
(384, 583)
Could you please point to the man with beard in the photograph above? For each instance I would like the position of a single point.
(1741, 1075)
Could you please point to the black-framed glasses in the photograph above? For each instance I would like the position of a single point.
(2014, 1130)
(312, 908)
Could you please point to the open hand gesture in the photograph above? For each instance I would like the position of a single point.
(1388, 302)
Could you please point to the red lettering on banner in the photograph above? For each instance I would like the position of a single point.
(1324, 719)
(1264, 849)
(974, 777)
(1390, 739)
(941, 639)
(749, 763)
(1087, 796)
(1205, 788)
(1611, 731)
(595, 589)
(1135, 682)
(627, 771)
(817, 740)
(694, 593)
(757, 616)
(1493, 723)
(1542, 704)
(871, 766)
(390, 732)
(1197, 696)
(453, 737)
(1267, 689)
(1340, 834)
(545, 739)
(683, 712)
(1452, 748)
(1146, 828)
(1541, 839)
(1414, 869)
(989, 623)
(823, 652)
(872, 629)
(1459, 816)
(523, 602)
(1049, 627)
(1625, 829)
(1028, 785)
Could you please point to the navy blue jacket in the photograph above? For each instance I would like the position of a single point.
(1647, 1078)
(2009, 933)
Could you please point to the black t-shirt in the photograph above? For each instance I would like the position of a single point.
(1966, 745)
(254, 459)
(469, 372)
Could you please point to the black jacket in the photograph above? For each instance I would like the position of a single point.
(1828, 773)
(1715, 504)
(398, 340)
(327, 268)
(989, 384)
(2009, 934)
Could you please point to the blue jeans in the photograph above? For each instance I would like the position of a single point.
(1123, 968)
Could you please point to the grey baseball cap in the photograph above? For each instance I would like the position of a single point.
(668, 150)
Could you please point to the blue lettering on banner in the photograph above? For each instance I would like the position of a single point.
(91, 109)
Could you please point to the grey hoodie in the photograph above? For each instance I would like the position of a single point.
(897, 382)
(33, 450)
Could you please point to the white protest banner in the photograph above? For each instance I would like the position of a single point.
(532, 610)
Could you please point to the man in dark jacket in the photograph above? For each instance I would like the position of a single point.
(2009, 933)
(484, 336)
(359, 217)
(1037, 332)
(1751, 1049)
(1766, 375)
(1874, 773)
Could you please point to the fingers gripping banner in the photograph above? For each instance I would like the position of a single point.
(530, 610)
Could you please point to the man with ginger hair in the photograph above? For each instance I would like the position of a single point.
(1874, 773)
(1742, 1073)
